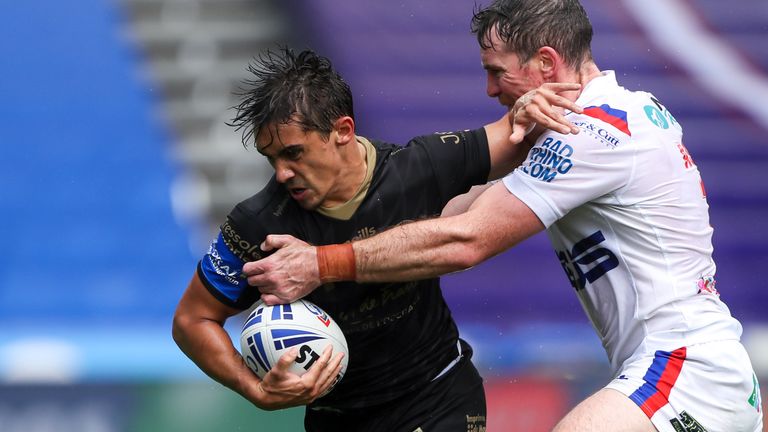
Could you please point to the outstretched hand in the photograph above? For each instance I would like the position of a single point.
(543, 106)
(282, 388)
(287, 275)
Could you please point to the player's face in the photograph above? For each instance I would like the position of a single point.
(507, 79)
(305, 163)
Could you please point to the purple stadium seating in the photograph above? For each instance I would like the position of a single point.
(414, 68)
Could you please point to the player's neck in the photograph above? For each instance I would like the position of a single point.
(586, 73)
(351, 176)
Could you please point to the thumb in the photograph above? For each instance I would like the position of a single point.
(518, 133)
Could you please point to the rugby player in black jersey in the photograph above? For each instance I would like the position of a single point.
(408, 368)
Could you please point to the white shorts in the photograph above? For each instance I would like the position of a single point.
(706, 387)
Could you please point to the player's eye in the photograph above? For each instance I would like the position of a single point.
(494, 71)
(293, 152)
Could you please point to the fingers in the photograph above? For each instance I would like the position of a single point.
(285, 361)
(271, 299)
(279, 241)
(330, 374)
(314, 372)
(554, 120)
(545, 107)
(270, 243)
(322, 375)
(561, 87)
(253, 268)
(273, 241)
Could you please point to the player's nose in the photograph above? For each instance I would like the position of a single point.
(492, 86)
(283, 173)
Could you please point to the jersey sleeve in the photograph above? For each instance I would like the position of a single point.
(562, 172)
(221, 268)
(459, 160)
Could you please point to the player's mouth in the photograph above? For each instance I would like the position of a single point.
(298, 193)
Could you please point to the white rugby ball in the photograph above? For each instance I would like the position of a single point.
(270, 331)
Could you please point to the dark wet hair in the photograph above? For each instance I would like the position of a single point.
(291, 88)
(524, 26)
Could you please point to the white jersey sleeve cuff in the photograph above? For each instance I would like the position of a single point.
(545, 210)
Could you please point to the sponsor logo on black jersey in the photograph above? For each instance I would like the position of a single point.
(222, 266)
(364, 233)
(687, 423)
(452, 137)
(280, 208)
(240, 247)
(476, 423)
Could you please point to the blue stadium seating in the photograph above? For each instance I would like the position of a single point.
(85, 174)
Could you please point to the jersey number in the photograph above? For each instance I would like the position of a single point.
(585, 255)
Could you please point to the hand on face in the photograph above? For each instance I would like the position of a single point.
(545, 107)
(287, 275)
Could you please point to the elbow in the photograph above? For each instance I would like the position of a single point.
(179, 328)
(469, 254)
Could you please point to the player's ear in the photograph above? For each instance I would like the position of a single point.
(548, 60)
(344, 129)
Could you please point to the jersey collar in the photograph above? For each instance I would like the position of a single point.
(346, 210)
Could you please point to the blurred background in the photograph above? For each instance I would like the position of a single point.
(117, 167)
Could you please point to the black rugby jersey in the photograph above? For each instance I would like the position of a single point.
(400, 335)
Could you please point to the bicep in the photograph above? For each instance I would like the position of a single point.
(503, 219)
(198, 303)
(461, 203)
(504, 154)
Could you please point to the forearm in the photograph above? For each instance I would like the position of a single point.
(496, 221)
(209, 346)
(506, 155)
(418, 250)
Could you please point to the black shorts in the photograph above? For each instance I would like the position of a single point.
(455, 402)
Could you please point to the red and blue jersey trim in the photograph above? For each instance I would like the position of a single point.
(659, 380)
(614, 117)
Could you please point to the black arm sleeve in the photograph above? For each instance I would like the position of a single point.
(459, 160)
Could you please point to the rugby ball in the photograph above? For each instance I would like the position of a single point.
(271, 331)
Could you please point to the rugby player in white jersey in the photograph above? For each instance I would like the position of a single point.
(625, 209)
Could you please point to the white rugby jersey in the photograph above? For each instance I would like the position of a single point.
(626, 211)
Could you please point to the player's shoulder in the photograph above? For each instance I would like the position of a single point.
(610, 118)
(271, 210)
(423, 145)
(451, 137)
(273, 201)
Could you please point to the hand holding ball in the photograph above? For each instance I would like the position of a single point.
(271, 331)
